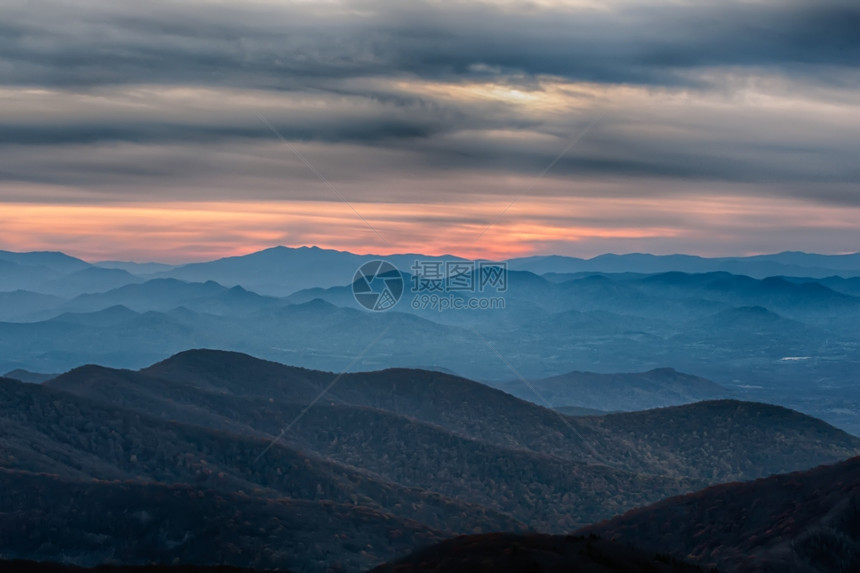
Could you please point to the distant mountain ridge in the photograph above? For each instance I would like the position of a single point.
(788, 340)
(790, 263)
(280, 271)
(27, 376)
(54, 260)
(656, 388)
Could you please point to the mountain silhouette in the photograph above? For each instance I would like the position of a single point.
(426, 453)
(797, 522)
(610, 392)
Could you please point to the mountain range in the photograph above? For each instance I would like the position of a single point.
(279, 466)
(802, 522)
(280, 271)
(627, 412)
(786, 340)
(609, 392)
(789, 263)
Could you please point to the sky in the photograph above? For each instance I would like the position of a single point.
(178, 131)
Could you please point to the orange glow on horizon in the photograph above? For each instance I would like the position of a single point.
(183, 232)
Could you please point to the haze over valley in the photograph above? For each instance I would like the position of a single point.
(789, 340)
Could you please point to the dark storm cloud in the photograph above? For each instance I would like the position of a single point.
(368, 131)
(364, 146)
(279, 46)
(330, 73)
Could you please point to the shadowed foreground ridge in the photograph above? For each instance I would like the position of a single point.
(172, 460)
(803, 522)
(24, 566)
(93, 522)
(509, 553)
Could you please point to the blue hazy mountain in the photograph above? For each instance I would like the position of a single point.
(760, 266)
(656, 388)
(793, 341)
(315, 334)
(848, 262)
(750, 350)
(846, 286)
(166, 294)
(14, 276)
(56, 261)
(57, 274)
(27, 376)
(775, 293)
(88, 280)
(107, 317)
(19, 304)
(138, 269)
(280, 271)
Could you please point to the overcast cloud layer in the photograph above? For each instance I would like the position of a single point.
(451, 104)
